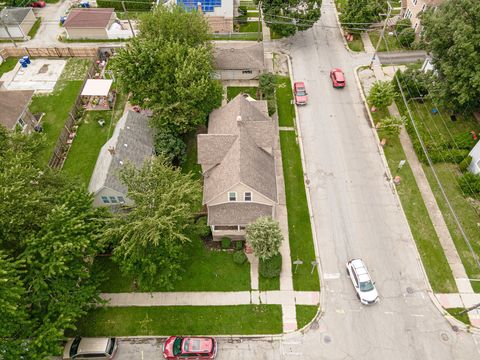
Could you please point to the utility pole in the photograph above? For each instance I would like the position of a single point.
(128, 18)
(5, 26)
(382, 33)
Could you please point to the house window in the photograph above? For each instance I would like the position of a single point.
(416, 26)
(232, 196)
(424, 7)
(105, 200)
(414, 2)
(121, 199)
(113, 199)
(241, 227)
(21, 123)
(247, 72)
(408, 14)
(247, 196)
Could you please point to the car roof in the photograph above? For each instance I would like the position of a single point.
(360, 270)
(300, 84)
(338, 74)
(197, 345)
(92, 345)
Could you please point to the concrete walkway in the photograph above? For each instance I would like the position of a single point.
(213, 298)
(458, 270)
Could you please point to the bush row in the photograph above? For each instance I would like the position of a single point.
(117, 5)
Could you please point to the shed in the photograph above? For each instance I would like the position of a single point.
(16, 22)
(14, 109)
(89, 23)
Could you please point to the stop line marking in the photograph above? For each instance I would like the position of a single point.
(331, 276)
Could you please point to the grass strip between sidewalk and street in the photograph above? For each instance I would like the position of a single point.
(299, 227)
(431, 252)
(181, 320)
(305, 314)
(455, 312)
(285, 107)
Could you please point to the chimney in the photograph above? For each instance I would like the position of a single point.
(111, 150)
(199, 7)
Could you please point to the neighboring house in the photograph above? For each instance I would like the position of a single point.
(94, 23)
(14, 113)
(16, 22)
(219, 13)
(131, 142)
(239, 60)
(412, 9)
(238, 167)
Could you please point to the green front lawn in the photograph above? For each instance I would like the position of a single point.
(285, 107)
(205, 270)
(268, 284)
(455, 312)
(299, 228)
(305, 314)
(233, 91)
(182, 320)
(8, 64)
(356, 44)
(35, 27)
(251, 26)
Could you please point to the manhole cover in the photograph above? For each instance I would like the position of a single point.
(327, 339)
(444, 337)
(410, 290)
(314, 325)
(455, 328)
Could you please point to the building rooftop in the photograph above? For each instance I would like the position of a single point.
(89, 18)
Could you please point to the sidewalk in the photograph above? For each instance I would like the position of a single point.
(212, 298)
(461, 279)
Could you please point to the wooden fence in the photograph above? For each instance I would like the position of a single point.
(49, 52)
(65, 139)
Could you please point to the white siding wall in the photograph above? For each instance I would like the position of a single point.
(240, 189)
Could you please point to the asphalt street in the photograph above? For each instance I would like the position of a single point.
(356, 214)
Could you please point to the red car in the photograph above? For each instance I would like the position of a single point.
(338, 79)
(38, 4)
(176, 347)
(300, 93)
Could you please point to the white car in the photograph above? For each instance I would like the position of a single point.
(362, 282)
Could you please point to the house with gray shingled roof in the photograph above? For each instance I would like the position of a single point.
(132, 142)
(238, 60)
(238, 166)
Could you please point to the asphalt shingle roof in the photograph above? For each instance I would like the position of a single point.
(237, 213)
(238, 56)
(12, 105)
(14, 16)
(88, 18)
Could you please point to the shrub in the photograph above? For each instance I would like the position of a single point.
(391, 125)
(415, 83)
(129, 5)
(239, 257)
(407, 37)
(242, 10)
(270, 268)
(170, 145)
(464, 140)
(203, 230)
(402, 25)
(238, 245)
(381, 94)
(226, 243)
(264, 236)
(266, 84)
(470, 184)
(465, 163)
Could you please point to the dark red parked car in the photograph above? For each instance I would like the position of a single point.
(38, 4)
(338, 79)
(176, 347)
(300, 93)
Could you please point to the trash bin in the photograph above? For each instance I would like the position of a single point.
(23, 63)
(26, 58)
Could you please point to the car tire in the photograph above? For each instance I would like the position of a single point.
(358, 296)
(348, 272)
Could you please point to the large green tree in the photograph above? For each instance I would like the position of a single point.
(359, 14)
(169, 69)
(265, 237)
(152, 236)
(452, 34)
(49, 234)
(286, 17)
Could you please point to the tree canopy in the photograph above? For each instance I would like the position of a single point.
(265, 237)
(151, 237)
(287, 17)
(452, 34)
(361, 13)
(49, 234)
(168, 68)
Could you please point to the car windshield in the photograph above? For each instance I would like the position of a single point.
(366, 286)
(177, 346)
(74, 347)
(301, 92)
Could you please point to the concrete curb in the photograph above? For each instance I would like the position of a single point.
(308, 195)
(337, 18)
(453, 321)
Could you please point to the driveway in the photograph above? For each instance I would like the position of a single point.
(50, 28)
